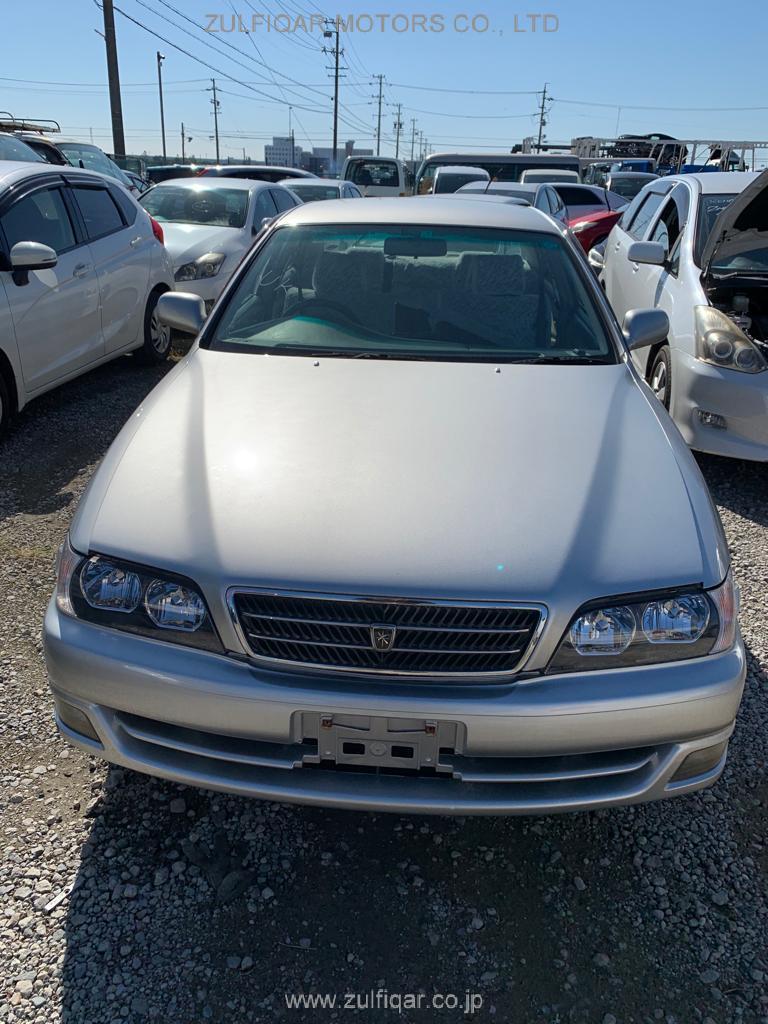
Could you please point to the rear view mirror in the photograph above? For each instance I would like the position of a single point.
(653, 253)
(33, 256)
(182, 311)
(645, 327)
(399, 245)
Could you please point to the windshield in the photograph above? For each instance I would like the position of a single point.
(627, 187)
(451, 181)
(410, 292)
(187, 204)
(15, 149)
(311, 193)
(374, 172)
(92, 158)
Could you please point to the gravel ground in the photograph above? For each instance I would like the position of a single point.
(123, 898)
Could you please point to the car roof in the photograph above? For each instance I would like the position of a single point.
(295, 172)
(460, 169)
(421, 210)
(632, 174)
(500, 187)
(293, 182)
(244, 184)
(12, 171)
(720, 182)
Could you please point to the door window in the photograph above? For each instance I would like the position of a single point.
(40, 217)
(264, 207)
(672, 218)
(640, 222)
(99, 211)
(283, 199)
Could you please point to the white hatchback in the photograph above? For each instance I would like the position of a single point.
(81, 269)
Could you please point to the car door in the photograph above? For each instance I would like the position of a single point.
(631, 228)
(56, 313)
(645, 280)
(558, 206)
(122, 257)
(655, 286)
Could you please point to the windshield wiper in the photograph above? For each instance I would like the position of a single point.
(355, 354)
(545, 360)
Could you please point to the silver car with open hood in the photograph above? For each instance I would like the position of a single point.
(405, 531)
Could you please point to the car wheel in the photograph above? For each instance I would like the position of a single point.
(157, 335)
(5, 406)
(660, 377)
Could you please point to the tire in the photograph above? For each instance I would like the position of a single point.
(6, 408)
(157, 336)
(660, 377)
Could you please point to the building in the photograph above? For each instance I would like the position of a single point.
(283, 152)
(319, 160)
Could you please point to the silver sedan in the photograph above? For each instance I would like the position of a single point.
(405, 531)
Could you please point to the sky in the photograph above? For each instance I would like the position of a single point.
(471, 76)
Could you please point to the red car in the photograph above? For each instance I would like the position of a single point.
(591, 211)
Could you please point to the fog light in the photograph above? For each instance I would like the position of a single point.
(711, 419)
(700, 762)
(76, 720)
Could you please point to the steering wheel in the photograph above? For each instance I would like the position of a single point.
(326, 304)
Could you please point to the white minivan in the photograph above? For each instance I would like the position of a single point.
(378, 175)
(82, 266)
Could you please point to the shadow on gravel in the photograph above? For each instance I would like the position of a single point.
(737, 485)
(190, 906)
(59, 437)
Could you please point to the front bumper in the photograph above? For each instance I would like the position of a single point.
(740, 398)
(208, 288)
(545, 745)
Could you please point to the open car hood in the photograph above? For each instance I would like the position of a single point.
(741, 227)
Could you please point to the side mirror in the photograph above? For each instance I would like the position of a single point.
(596, 258)
(265, 222)
(182, 311)
(645, 327)
(653, 253)
(33, 256)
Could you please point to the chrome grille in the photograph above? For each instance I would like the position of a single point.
(430, 638)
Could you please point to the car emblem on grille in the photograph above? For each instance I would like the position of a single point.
(383, 637)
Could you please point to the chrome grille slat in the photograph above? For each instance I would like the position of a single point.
(432, 638)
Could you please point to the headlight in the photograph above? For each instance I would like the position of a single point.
(664, 627)
(720, 342)
(204, 266)
(110, 592)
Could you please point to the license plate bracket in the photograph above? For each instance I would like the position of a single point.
(378, 742)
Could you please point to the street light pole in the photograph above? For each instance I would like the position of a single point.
(160, 59)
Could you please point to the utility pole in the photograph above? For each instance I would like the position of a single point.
(380, 80)
(336, 53)
(160, 59)
(413, 136)
(183, 141)
(290, 136)
(398, 128)
(216, 106)
(542, 117)
(115, 103)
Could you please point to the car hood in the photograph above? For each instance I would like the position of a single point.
(741, 227)
(549, 483)
(186, 242)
